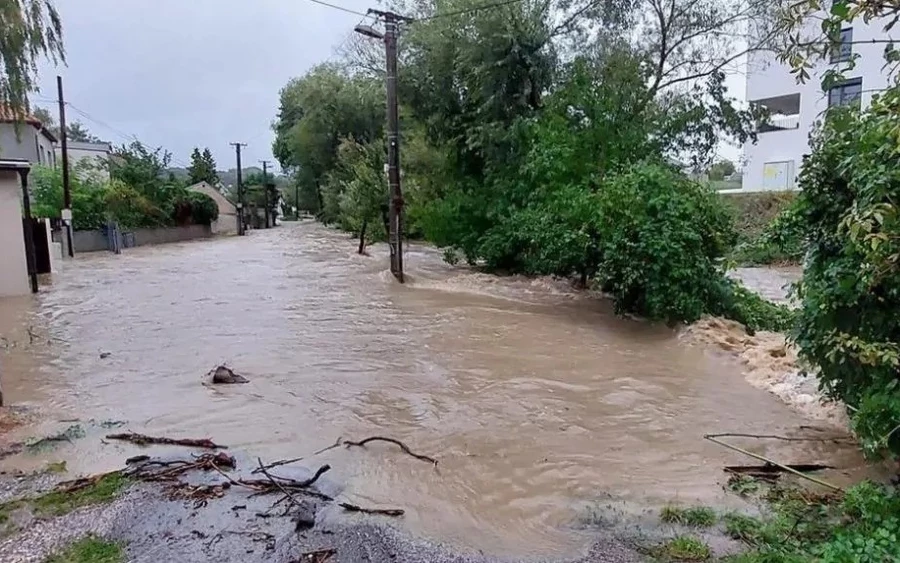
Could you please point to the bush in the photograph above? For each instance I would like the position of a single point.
(848, 327)
(130, 208)
(782, 240)
(863, 527)
(738, 303)
(204, 209)
(661, 240)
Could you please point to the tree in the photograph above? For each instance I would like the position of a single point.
(31, 29)
(75, 130)
(315, 112)
(719, 170)
(202, 167)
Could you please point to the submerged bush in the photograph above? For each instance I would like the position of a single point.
(661, 241)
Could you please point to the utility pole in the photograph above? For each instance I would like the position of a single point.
(265, 164)
(395, 202)
(296, 201)
(64, 146)
(240, 187)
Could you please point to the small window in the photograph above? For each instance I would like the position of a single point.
(843, 50)
(846, 93)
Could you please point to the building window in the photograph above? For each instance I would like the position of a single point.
(843, 50)
(780, 113)
(846, 93)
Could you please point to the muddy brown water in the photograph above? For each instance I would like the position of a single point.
(537, 400)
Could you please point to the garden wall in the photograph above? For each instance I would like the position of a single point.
(92, 241)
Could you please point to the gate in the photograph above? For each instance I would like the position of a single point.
(41, 244)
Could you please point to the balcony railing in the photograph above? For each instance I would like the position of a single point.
(780, 124)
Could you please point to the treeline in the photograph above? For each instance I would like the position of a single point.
(135, 189)
(542, 139)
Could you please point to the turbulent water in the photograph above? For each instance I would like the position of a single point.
(536, 399)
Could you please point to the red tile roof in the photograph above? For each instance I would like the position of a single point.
(7, 115)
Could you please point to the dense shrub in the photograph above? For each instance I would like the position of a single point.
(781, 240)
(863, 526)
(130, 208)
(848, 323)
(661, 239)
(203, 208)
(88, 197)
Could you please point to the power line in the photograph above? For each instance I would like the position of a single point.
(469, 10)
(122, 134)
(341, 8)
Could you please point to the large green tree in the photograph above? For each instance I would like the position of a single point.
(31, 29)
(202, 167)
(318, 110)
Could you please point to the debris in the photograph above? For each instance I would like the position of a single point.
(833, 439)
(403, 447)
(712, 438)
(296, 459)
(142, 440)
(137, 459)
(317, 556)
(225, 376)
(769, 469)
(383, 511)
(306, 516)
(104, 355)
(68, 435)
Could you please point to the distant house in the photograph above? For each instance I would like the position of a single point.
(94, 155)
(25, 137)
(226, 224)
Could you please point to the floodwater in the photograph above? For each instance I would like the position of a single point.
(536, 399)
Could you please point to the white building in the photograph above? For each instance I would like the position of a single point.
(92, 158)
(774, 161)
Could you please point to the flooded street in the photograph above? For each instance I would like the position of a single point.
(536, 399)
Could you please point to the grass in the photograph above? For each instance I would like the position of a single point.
(685, 548)
(89, 550)
(694, 516)
(57, 503)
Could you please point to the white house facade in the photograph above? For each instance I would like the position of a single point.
(226, 224)
(774, 161)
(93, 158)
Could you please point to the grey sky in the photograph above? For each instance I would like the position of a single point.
(185, 73)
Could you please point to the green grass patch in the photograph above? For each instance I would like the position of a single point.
(90, 550)
(685, 548)
(696, 516)
(56, 503)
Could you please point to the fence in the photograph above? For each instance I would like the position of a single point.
(93, 241)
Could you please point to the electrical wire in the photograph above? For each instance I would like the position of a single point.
(341, 8)
(468, 10)
(122, 134)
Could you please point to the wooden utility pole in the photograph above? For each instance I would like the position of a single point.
(240, 187)
(395, 201)
(265, 164)
(64, 147)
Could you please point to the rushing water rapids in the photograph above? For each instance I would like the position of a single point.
(536, 399)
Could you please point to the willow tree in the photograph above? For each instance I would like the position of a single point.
(31, 29)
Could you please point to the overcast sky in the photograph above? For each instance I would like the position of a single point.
(186, 73)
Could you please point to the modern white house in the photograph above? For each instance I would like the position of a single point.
(773, 162)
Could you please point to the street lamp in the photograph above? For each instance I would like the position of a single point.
(368, 31)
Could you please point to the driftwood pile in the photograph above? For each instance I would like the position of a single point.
(291, 492)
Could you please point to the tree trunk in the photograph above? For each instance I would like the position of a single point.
(362, 237)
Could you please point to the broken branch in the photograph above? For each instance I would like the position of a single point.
(383, 511)
(712, 438)
(281, 462)
(403, 446)
(142, 440)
